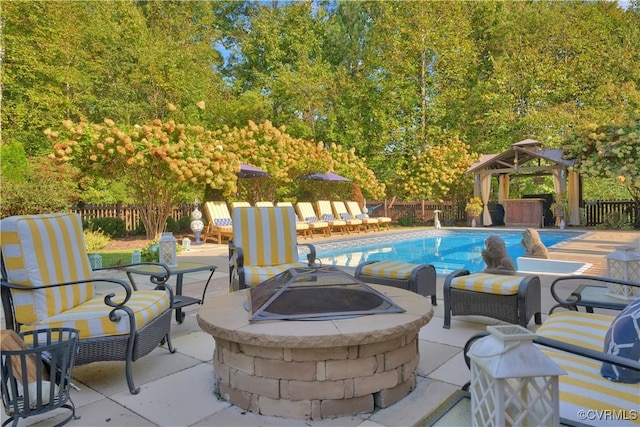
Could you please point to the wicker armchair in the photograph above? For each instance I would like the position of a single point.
(48, 282)
(264, 245)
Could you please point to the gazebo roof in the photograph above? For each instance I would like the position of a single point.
(519, 154)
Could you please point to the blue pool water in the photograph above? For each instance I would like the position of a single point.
(447, 250)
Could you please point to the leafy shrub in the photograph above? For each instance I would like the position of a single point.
(95, 240)
(151, 252)
(616, 221)
(41, 188)
(112, 227)
(406, 221)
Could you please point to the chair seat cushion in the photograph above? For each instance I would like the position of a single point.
(583, 388)
(254, 275)
(578, 328)
(495, 284)
(389, 269)
(91, 318)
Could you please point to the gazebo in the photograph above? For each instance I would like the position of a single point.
(526, 158)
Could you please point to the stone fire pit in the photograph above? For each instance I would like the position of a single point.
(315, 369)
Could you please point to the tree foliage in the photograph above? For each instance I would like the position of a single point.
(379, 81)
(609, 151)
(432, 174)
(159, 159)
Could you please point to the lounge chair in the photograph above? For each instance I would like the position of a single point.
(308, 215)
(302, 227)
(264, 245)
(220, 223)
(353, 224)
(325, 213)
(47, 282)
(356, 212)
(264, 204)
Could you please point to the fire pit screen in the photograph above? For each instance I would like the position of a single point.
(315, 293)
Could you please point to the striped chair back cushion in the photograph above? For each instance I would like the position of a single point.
(267, 236)
(354, 208)
(305, 210)
(40, 250)
(216, 210)
(324, 208)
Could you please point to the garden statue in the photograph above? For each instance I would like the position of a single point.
(496, 257)
(533, 246)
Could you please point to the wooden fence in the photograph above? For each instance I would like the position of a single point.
(419, 212)
(597, 211)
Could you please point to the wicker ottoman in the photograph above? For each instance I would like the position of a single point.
(513, 299)
(418, 278)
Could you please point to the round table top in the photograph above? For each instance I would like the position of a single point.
(226, 317)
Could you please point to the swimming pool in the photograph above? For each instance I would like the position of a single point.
(447, 250)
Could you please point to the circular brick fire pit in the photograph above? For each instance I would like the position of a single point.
(315, 369)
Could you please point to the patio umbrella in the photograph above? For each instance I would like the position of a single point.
(329, 176)
(247, 171)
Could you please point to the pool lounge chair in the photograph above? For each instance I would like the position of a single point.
(325, 213)
(48, 282)
(220, 223)
(308, 215)
(264, 245)
(340, 211)
(356, 212)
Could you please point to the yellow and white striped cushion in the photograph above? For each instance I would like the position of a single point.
(389, 269)
(267, 236)
(584, 389)
(254, 275)
(578, 328)
(42, 250)
(496, 284)
(91, 318)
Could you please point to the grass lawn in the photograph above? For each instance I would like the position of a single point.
(116, 257)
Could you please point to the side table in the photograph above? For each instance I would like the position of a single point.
(184, 267)
(590, 293)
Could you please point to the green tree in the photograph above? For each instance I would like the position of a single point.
(157, 160)
(610, 151)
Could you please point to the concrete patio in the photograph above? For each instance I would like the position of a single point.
(177, 389)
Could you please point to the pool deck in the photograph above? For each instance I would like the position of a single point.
(177, 390)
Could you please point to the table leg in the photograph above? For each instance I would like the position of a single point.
(177, 298)
(133, 282)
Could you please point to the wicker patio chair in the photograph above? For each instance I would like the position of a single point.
(264, 244)
(48, 282)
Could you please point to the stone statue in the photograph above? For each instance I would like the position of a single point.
(496, 257)
(533, 246)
